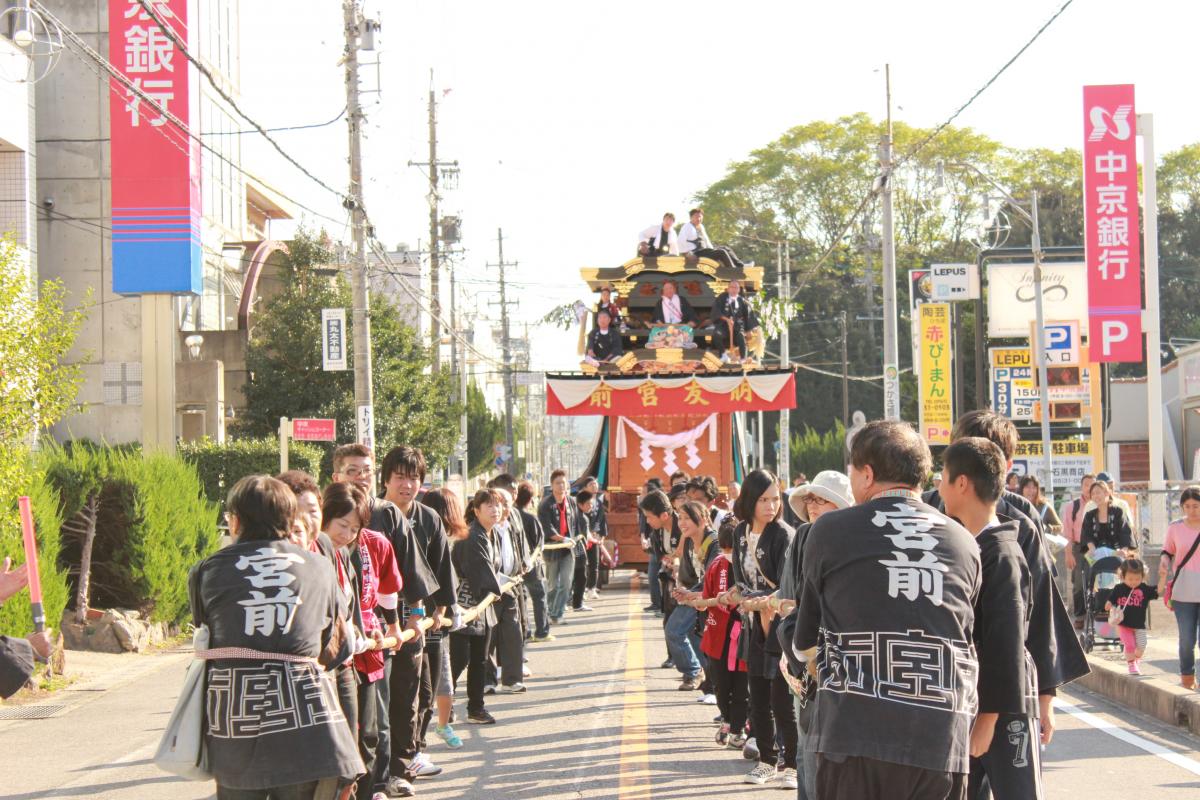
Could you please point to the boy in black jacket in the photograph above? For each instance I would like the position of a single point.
(1004, 750)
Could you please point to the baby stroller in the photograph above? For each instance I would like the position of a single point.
(1099, 578)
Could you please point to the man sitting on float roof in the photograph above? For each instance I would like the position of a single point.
(673, 308)
(604, 342)
(659, 240)
(694, 241)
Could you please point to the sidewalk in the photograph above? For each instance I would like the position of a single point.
(1156, 691)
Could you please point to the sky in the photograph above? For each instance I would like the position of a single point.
(577, 125)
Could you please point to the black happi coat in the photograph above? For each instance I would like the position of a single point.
(759, 647)
(604, 345)
(723, 308)
(477, 563)
(1001, 618)
(535, 538)
(888, 594)
(418, 576)
(16, 665)
(1050, 639)
(271, 722)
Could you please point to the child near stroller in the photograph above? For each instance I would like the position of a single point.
(1099, 577)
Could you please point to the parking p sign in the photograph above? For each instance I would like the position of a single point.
(1060, 343)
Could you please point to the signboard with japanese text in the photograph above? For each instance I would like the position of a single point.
(333, 339)
(1110, 224)
(1013, 392)
(665, 395)
(1060, 343)
(953, 282)
(1011, 297)
(1072, 459)
(314, 430)
(936, 401)
(155, 165)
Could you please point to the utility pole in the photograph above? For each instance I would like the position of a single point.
(506, 350)
(1151, 324)
(785, 361)
(363, 393)
(845, 376)
(435, 236)
(891, 352)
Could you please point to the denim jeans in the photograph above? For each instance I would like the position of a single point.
(652, 577)
(560, 571)
(682, 642)
(1187, 617)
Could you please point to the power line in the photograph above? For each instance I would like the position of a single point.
(175, 40)
(341, 114)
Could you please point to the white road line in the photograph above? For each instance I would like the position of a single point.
(1190, 764)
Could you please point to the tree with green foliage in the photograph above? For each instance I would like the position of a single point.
(484, 430)
(412, 404)
(36, 390)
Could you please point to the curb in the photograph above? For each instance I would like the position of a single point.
(1167, 702)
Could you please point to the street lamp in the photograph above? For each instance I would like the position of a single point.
(1036, 342)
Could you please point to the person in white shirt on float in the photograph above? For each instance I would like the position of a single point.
(673, 308)
(694, 241)
(659, 240)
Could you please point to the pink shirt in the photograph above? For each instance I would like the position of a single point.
(1072, 523)
(1178, 541)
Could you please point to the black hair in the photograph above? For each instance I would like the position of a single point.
(754, 487)
(264, 506)
(655, 504)
(989, 425)
(405, 460)
(981, 461)
(725, 533)
(1134, 565)
(895, 452)
(584, 496)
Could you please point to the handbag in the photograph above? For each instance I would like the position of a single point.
(1179, 568)
(1117, 615)
(182, 751)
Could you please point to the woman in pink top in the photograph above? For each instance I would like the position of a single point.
(1182, 545)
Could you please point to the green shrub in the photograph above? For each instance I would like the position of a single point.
(220, 466)
(813, 452)
(15, 618)
(152, 524)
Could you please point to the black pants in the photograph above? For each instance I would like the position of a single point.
(295, 791)
(470, 653)
(510, 644)
(721, 336)
(345, 679)
(772, 710)
(368, 732)
(722, 255)
(1011, 769)
(857, 778)
(730, 688)
(430, 662)
(405, 705)
(383, 752)
(593, 566)
(579, 583)
(537, 598)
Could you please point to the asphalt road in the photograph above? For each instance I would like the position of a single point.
(601, 720)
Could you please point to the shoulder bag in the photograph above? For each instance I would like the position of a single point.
(182, 751)
(1179, 568)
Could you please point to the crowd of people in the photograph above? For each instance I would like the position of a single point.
(341, 622)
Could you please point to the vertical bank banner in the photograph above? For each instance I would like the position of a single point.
(937, 396)
(1110, 223)
(155, 165)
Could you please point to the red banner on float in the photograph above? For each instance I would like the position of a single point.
(155, 164)
(1110, 223)
(625, 397)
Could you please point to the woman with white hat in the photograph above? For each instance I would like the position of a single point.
(828, 491)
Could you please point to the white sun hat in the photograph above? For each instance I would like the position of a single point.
(829, 485)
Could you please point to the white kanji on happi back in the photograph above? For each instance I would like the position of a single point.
(270, 570)
(908, 577)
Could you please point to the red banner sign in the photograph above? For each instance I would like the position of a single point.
(625, 397)
(1110, 228)
(314, 430)
(155, 165)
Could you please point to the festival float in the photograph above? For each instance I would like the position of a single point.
(676, 397)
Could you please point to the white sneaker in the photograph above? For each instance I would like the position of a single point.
(515, 688)
(379, 796)
(398, 787)
(583, 608)
(526, 672)
(708, 699)
(787, 779)
(761, 775)
(423, 767)
(595, 594)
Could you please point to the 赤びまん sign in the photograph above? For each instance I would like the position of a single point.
(1110, 224)
(936, 404)
(155, 164)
